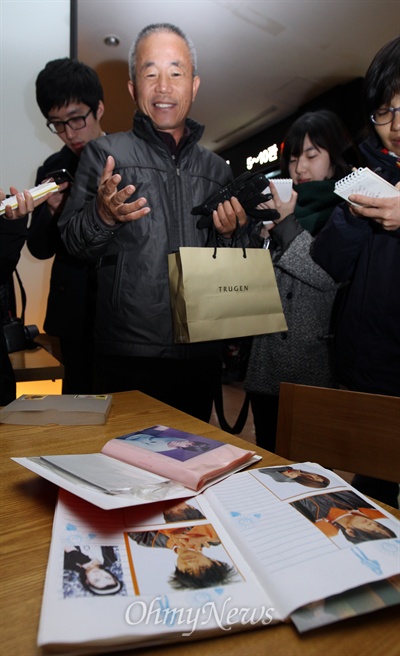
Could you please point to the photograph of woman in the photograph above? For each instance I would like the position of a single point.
(88, 573)
(294, 475)
(287, 482)
(170, 442)
(160, 444)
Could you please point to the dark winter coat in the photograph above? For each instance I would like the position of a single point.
(354, 249)
(300, 355)
(133, 304)
(70, 304)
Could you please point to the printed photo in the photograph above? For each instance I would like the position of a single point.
(358, 601)
(91, 396)
(177, 510)
(92, 571)
(171, 442)
(346, 515)
(34, 397)
(290, 481)
(188, 557)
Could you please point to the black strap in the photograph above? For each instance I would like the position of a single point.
(219, 409)
(23, 296)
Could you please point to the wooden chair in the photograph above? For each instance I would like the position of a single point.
(339, 429)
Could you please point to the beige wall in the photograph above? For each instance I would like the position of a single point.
(31, 33)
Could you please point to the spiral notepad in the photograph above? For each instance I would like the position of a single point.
(365, 182)
(283, 186)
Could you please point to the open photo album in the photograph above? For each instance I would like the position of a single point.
(289, 543)
(144, 466)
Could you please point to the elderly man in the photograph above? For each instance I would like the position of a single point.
(130, 207)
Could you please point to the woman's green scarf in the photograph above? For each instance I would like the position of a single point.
(315, 203)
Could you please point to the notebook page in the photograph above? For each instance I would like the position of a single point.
(365, 182)
(146, 607)
(284, 547)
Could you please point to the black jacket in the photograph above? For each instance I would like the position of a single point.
(317, 507)
(133, 305)
(12, 238)
(353, 249)
(70, 304)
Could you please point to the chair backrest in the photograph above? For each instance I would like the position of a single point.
(339, 429)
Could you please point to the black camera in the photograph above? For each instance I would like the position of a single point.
(249, 189)
(19, 337)
(60, 176)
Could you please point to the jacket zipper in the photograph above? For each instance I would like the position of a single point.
(178, 172)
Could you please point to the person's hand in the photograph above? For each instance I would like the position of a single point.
(227, 215)
(26, 204)
(111, 204)
(385, 211)
(283, 207)
(57, 199)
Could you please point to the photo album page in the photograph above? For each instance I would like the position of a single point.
(260, 547)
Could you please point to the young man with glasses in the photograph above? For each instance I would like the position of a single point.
(70, 97)
(360, 246)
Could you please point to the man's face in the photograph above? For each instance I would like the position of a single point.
(192, 561)
(76, 140)
(390, 133)
(164, 88)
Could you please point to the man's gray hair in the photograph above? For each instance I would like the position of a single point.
(152, 29)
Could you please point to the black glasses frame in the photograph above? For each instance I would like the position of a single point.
(54, 125)
(392, 111)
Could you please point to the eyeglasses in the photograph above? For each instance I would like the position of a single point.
(75, 123)
(384, 115)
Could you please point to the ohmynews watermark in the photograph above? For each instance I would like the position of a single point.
(158, 612)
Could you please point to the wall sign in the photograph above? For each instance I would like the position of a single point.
(265, 156)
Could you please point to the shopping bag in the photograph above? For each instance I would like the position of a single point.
(223, 293)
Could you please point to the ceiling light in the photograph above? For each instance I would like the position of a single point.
(112, 40)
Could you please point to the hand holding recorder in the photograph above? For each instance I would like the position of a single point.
(64, 180)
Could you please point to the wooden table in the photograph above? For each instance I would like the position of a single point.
(36, 364)
(27, 506)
